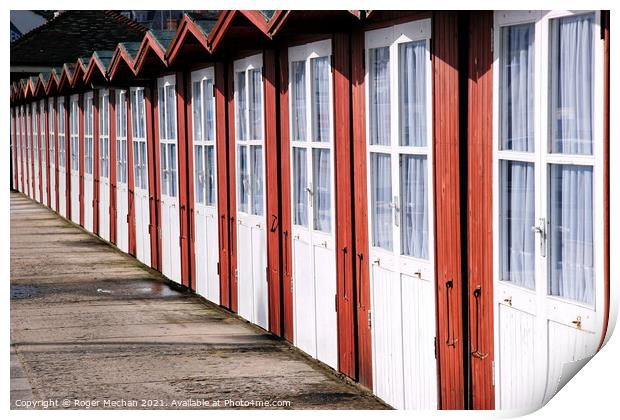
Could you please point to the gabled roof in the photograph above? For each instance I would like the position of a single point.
(227, 19)
(155, 43)
(39, 87)
(123, 59)
(193, 29)
(72, 34)
(282, 18)
(98, 64)
(52, 81)
(78, 72)
(66, 74)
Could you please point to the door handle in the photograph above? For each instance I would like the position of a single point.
(360, 257)
(285, 252)
(344, 283)
(274, 223)
(541, 230)
(450, 340)
(476, 353)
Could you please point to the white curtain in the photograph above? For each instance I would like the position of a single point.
(136, 163)
(571, 233)
(572, 68)
(517, 88)
(209, 112)
(320, 98)
(298, 92)
(197, 111)
(209, 175)
(379, 92)
(164, 167)
(517, 240)
(172, 166)
(199, 173)
(412, 73)
(255, 105)
(240, 114)
(171, 112)
(161, 105)
(381, 199)
(143, 176)
(243, 183)
(414, 206)
(300, 183)
(321, 173)
(141, 131)
(256, 166)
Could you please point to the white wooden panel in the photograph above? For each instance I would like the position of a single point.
(53, 187)
(303, 292)
(213, 256)
(122, 227)
(200, 241)
(104, 209)
(44, 180)
(175, 242)
(165, 239)
(326, 317)
(387, 337)
(88, 202)
(62, 193)
(566, 345)
(517, 359)
(259, 277)
(420, 372)
(244, 267)
(75, 197)
(143, 243)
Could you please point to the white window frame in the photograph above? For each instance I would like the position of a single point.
(74, 131)
(62, 130)
(165, 82)
(104, 138)
(51, 126)
(34, 121)
(89, 125)
(200, 76)
(306, 53)
(42, 135)
(120, 101)
(245, 65)
(419, 30)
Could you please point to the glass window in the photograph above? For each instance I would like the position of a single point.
(243, 186)
(414, 209)
(298, 99)
(256, 167)
(300, 185)
(320, 99)
(197, 110)
(209, 111)
(199, 174)
(381, 200)
(412, 77)
(379, 95)
(321, 180)
(255, 109)
(240, 114)
(210, 176)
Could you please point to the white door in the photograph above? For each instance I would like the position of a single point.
(62, 157)
(251, 237)
(205, 216)
(18, 147)
(36, 149)
(74, 126)
(51, 138)
(547, 200)
(141, 176)
(43, 150)
(399, 123)
(29, 180)
(89, 179)
(122, 197)
(170, 221)
(313, 201)
(104, 164)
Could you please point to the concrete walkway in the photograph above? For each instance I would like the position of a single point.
(92, 327)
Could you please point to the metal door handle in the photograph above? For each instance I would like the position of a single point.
(577, 322)
(450, 339)
(541, 230)
(508, 300)
(476, 353)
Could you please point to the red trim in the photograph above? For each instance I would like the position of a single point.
(187, 26)
(344, 217)
(180, 89)
(148, 43)
(14, 154)
(221, 26)
(272, 179)
(153, 171)
(112, 210)
(480, 209)
(81, 155)
(67, 105)
(156, 172)
(232, 188)
(190, 182)
(96, 162)
(120, 55)
(47, 153)
(56, 172)
(32, 173)
(447, 210)
(37, 104)
(131, 216)
(222, 183)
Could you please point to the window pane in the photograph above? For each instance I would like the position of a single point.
(171, 112)
(197, 111)
(571, 223)
(413, 206)
(300, 183)
(208, 105)
(124, 155)
(321, 177)
(161, 105)
(240, 112)
(412, 75)
(172, 165)
(164, 169)
(320, 99)
(516, 218)
(199, 174)
(572, 100)
(243, 182)
(256, 163)
(141, 114)
(143, 165)
(298, 99)
(381, 200)
(210, 175)
(255, 105)
(379, 95)
(517, 88)
(136, 164)
(119, 164)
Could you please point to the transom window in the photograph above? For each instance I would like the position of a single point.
(399, 133)
(121, 135)
(310, 88)
(138, 125)
(550, 162)
(249, 134)
(167, 134)
(203, 120)
(104, 133)
(88, 133)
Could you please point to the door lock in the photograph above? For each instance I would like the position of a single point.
(577, 322)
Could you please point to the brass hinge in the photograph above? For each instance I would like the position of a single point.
(369, 319)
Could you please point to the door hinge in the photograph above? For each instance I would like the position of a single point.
(435, 347)
(492, 40)
(236, 274)
(369, 319)
(493, 372)
(336, 302)
(218, 269)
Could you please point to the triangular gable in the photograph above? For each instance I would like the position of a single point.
(98, 66)
(123, 59)
(155, 44)
(192, 27)
(227, 19)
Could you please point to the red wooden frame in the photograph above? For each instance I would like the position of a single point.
(232, 191)
(131, 214)
(81, 154)
(40, 168)
(47, 152)
(113, 163)
(95, 158)
(153, 171)
(182, 159)
(157, 171)
(67, 105)
(190, 181)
